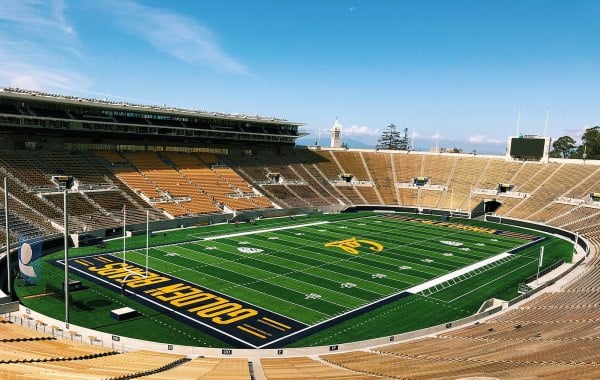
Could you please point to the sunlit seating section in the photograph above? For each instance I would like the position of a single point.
(369, 194)
(430, 198)
(139, 183)
(537, 176)
(11, 332)
(380, 167)
(408, 197)
(555, 183)
(38, 350)
(352, 163)
(215, 186)
(554, 211)
(408, 166)
(206, 368)
(464, 175)
(239, 184)
(499, 171)
(438, 169)
(583, 186)
(118, 366)
(180, 197)
(306, 368)
(328, 167)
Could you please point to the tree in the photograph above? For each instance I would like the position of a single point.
(390, 139)
(563, 147)
(591, 143)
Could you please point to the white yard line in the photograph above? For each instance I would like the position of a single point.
(457, 273)
(265, 230)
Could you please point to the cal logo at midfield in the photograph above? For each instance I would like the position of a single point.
(350, 245)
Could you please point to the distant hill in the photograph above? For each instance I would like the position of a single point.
(420, 145)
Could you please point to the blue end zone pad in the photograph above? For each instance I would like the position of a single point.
(222, 316)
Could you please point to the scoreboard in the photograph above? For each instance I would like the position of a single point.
(529, 148)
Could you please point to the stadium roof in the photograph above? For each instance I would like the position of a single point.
(164, 109)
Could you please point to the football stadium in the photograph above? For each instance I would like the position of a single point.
(157, 242)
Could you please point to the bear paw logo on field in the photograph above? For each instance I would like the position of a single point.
(249, 250)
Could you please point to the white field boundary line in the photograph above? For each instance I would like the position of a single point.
(503, 275)
(412, 290)
(245, 233)
(459, 272)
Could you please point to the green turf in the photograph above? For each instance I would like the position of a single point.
(294, 264)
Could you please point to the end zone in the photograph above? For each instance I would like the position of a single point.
(227, 318)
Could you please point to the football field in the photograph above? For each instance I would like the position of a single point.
(261, 285)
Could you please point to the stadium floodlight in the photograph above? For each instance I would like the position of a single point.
(147, 235)
(7, 236)
(537, 277)
(66, 242)
(124, 215)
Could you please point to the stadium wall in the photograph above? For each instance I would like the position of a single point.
(575, 238)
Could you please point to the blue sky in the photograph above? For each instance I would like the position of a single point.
(464, 68)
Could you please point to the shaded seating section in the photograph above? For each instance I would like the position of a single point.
(29, 215)
(77, 165)
(31, 168)
(287, 196)
(307, 368)
(206, 368)
(111, 200)
(20, 228)
(77, 204)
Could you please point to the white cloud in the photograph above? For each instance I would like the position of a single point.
(437, 136)
(360, 130)
(34, 37)
(39, 15)
(578, 132)
(23, 75)
(174, 34)
(483, 139)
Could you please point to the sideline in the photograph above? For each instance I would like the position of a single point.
(457, 273)
(265, 230)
